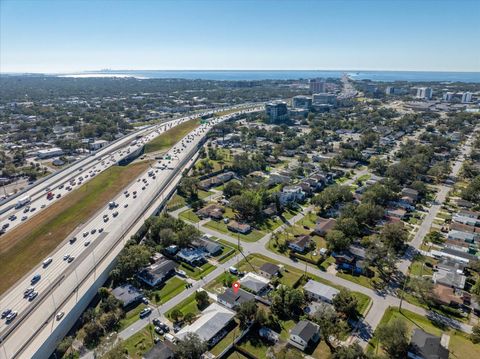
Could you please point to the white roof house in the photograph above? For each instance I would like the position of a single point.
(254, 282)
(319, 291)
(211, 322)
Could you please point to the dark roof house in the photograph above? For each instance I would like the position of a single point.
(426, 346)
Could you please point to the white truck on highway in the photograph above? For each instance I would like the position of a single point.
(23, 201)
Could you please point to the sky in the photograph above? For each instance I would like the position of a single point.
(58, 36)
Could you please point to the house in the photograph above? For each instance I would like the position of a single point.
(314, 307)
(450, 278)
(324, 225)
(270, 210)
(300, 244)
(269, 334)
(466, 220)
(242, 228)
(469, 214)
(163, 349)
(277, 178)
(446, 295)
(254, 283)
(461, 236)
(291, 194)
(97, 144)
(304, 334)
(463, 228)
(127, 294)
(269, 270)
(213, 211)
(158, 272)
(319, 292)
(231, 300)
(209, 247)
(410, 193)
(191, 256)
(211, 324)
(426, 346)
(217, 180)
(398, 213)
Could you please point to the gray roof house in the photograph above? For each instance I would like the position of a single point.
(426, 346)
(318, 291)
(127, 294)
(304, 334)
(158, 272)
(231, 300)
(461, 236)
(269, 270)
(254, 283)
(210, 325)
(450, 278)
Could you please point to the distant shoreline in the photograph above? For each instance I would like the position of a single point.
(257, 75)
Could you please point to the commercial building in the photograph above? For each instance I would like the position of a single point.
(302, 102)
(466, 97)
(390, 90)
(276, 111)
(424, 93)
(448, 96)
(323, 98)
(317, 85)
(96, 145)
(50, 152)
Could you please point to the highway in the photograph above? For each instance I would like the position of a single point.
(95, 240)
(79, 173)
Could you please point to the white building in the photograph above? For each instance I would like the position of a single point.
(424, 93)
(319, 292)
(317, 85)
(276, 111)
(49, 152)
(466, 97)
(323, 98)
(97, 144)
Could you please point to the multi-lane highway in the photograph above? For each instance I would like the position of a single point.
(73, 261)
(62, 182)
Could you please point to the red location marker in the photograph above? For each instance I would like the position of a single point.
(236, 287)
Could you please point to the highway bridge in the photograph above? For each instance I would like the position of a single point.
(68, 287)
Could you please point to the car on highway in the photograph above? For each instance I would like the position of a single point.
(145, 312)
(43, 206)
(32, 295)
(5, 225)
(66, 256)
(6, 312)
(86, 243)
(93, 231)
(10, 317)
(24, 218)
(70, 259)
(12, 217)
(47, 262)
(125, 205)
(58, 195)
(73, 240)
(85, 233)
(100, 230)
(59, 315)
(115, 213)
(28, 291)
(35, 278)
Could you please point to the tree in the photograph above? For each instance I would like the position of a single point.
(176, 315)
(202, 298)
(331, 326)
(393, 337)
(394, 235)
(188, 235)
(130, 260)
(187, 187)
(337, 241)
(232, 188)
(475, 336)
(117, 352)
(422, 288)
(286, 301)
(246, 313)
(353, 351)
(248, 205)
(345, 302)
(191, 347)
(189, 317)
(64, 345)
(93, 331)
(348, 226)
(476, 290)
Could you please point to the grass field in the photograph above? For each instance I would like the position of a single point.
(176, 202)
(131, 316)
(172, 136)
(188, 305)
(172, 287)
(139, 343)
(198, 272)
(253, 236)
(28, 244)
(460, 346)
(189, 215)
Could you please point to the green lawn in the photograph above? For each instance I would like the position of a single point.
(359, 279)
(198, 272)
(170, 289)
(234, 332)
(131, 316)
(418, 267)
(188, 305)
(189, 215)
(139, 343)
(460, 346)
(172, 136)
(236, 355)
(176, 202)
(229, 250)
(219, 226)
(204, 194)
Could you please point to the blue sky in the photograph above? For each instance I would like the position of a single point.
(70, 35)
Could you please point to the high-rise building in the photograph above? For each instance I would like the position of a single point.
(390, 90)
(448, 96)
(466, 97)
(302, 102)
(317, 86)
(276, 111)
(424, 93)
(324, 99)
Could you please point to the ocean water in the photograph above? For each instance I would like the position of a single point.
(415, 76)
